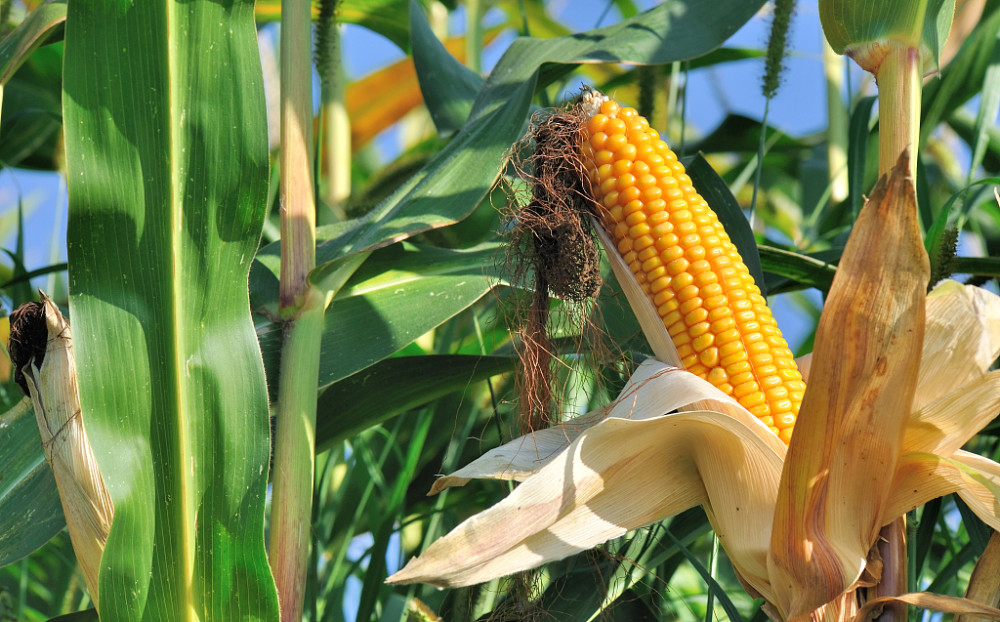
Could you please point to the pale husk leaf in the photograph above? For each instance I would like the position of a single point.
(618, 476)
(523, 456)
(984, 584)
(654, 389)
(961, 339)
(56, 398)
(921, 477)
(837, 476)
(948, 422)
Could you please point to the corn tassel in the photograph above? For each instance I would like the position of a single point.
(682, 258)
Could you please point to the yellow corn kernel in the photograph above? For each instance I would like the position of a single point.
(683, 258)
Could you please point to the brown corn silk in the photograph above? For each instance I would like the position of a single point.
(685, 263)
(552, 244)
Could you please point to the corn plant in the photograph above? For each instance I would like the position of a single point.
(279, 347)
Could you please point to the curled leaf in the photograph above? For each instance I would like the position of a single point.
(611, 480)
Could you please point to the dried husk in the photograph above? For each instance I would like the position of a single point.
(595, 508)
(56, 398)
(611, 479)
(835, 484)
(963, 330)
(524, 456)
(984, 584)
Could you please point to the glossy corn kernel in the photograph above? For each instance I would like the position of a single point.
(683, 259)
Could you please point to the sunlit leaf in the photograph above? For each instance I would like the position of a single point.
(373, 316)
(167, 180)
(30, 513)
(34, 31)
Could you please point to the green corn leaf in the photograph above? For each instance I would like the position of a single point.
(44, 22)
(448, 86)
(382, 391)
(30, 513)
(167, 178)
(373, 315)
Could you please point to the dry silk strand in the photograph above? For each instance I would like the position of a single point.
(681, 256)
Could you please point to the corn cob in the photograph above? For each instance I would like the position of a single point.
(681, 256)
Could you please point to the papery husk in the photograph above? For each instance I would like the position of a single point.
(929, 601)
(56, 398)
(962, 336)
(984, 584)
(921, 477)
(668, 388)
(619, 475)
(948, 422)
(837, 476)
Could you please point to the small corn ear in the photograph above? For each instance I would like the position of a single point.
(52, 385)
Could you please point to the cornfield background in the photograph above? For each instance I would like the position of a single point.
(417, 359)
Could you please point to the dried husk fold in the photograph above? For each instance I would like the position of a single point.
(56, 398)
(591, 510)
(849, 435)
(610, 480)
(984, 584)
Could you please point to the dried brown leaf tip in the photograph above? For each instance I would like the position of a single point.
(28, 338)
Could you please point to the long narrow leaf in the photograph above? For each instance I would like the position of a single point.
(167, 179)
(30, 514)
(29, 35)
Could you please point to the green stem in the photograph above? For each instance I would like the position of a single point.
(837, 122)
(899, 83)
(291, 501)
(298, 206)
(474, 35)
(303, 306)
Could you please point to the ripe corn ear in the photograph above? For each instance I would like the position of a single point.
(682, 258)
